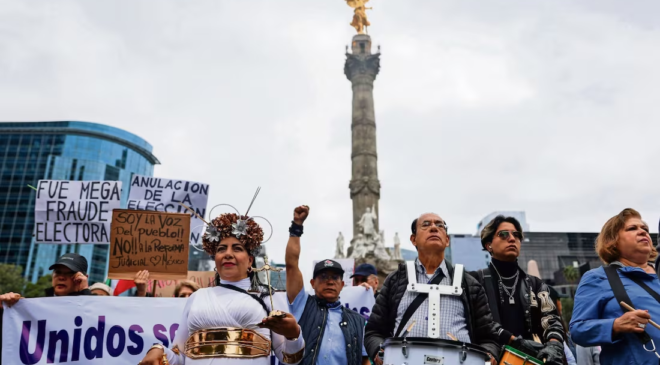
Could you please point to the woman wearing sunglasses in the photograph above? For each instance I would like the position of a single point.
(519, 302)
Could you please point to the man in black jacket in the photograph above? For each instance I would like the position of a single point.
(467, 317)
(521, 303)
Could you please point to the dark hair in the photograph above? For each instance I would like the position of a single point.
(489, 231)
(413, 226)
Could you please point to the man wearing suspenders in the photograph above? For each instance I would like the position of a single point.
(442, 301)
(520, 302)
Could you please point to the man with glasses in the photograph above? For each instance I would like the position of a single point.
(521, 303)
(69, 278)
(333, 333)
(465, 317)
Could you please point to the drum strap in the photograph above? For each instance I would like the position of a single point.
(421, 297)
(621, 296)
(487, 280)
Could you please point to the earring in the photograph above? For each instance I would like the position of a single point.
(249, 269)
(215, 269)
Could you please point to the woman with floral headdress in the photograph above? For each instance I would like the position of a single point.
(226, 324)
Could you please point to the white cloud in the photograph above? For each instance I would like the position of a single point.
(481, 106)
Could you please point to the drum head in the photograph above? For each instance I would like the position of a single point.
(423, 341)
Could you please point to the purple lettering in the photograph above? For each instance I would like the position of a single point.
(160, 332)
(137, 340)
(32, 358)
(116, 331)
(53, 338)
(97, 334)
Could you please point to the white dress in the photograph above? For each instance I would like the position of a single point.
(221, 307)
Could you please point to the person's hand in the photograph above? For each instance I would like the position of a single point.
(378, 361)
(141, 279)
(552, 353)
(9, 298)
(492, 359)
(629, 322)
(153, 357)
(285, 326)
(366, 286)
(529, 347)
(300, 214)
(80, 282)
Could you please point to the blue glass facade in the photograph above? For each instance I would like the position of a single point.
(35, 151)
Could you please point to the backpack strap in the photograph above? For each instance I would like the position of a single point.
(612, 272)
(487, 280)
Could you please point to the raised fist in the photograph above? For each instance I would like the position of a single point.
(300, 214)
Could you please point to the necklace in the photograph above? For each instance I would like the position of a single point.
(506, 289)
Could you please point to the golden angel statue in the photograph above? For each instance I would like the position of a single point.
(360, 21)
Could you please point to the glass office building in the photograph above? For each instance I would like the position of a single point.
(35, 151)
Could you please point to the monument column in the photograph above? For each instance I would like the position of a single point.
(361, 68)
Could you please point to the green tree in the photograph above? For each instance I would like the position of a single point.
(36, 290)
(11, 279)
(567, 309)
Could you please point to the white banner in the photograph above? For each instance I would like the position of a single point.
(107, 330)
(75, 211)
(164, 195)
(349, 267)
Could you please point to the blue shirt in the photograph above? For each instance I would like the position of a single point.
(595, 310)
(333, 345)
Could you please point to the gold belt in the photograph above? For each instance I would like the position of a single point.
(227, 342)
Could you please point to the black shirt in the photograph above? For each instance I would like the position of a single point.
(512, 316)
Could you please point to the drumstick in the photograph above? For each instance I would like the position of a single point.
(409, 329)
(452, 336)
(630, 309)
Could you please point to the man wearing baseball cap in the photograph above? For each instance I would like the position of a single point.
(333, 333)
(69, 278)
(366, 275)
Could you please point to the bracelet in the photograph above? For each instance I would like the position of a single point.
(295, 230)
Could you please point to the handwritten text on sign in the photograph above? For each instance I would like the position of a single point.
(154, 241)
(75, 211)
(164, 195)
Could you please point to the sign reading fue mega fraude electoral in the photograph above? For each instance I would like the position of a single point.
(75, 211)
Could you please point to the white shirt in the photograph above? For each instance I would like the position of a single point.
(221, 307)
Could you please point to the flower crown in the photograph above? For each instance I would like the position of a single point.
(243, 227)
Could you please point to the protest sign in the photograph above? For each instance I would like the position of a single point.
(349, 267)
(154, 241)
(75, 211)
(107, 330)
(164, 195)
(165, 288)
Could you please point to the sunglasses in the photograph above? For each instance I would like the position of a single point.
(325, 277)
(64, 274)
(505, 234)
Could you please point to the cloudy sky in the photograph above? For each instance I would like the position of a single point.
(550, 107)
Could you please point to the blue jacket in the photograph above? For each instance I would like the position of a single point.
(595, 310)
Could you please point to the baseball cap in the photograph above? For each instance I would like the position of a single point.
(327, 265)
(365, 270)
(101, 286)
(73, 261)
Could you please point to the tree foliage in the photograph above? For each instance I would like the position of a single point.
(35, 290)
(11, 279)
(567, 309)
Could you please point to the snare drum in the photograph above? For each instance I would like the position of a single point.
(424, 351)
(511, 356)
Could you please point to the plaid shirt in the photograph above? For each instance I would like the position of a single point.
(452, 312)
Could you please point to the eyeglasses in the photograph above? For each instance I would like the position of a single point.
(505, 234)
(325, 277)
(64, 274)
(427, 224)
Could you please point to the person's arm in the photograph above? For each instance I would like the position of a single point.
(174, 357)
(550, 315)
(141, 279)
(288, 342)
(294, 278)
(377, 328)
(587, 326)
